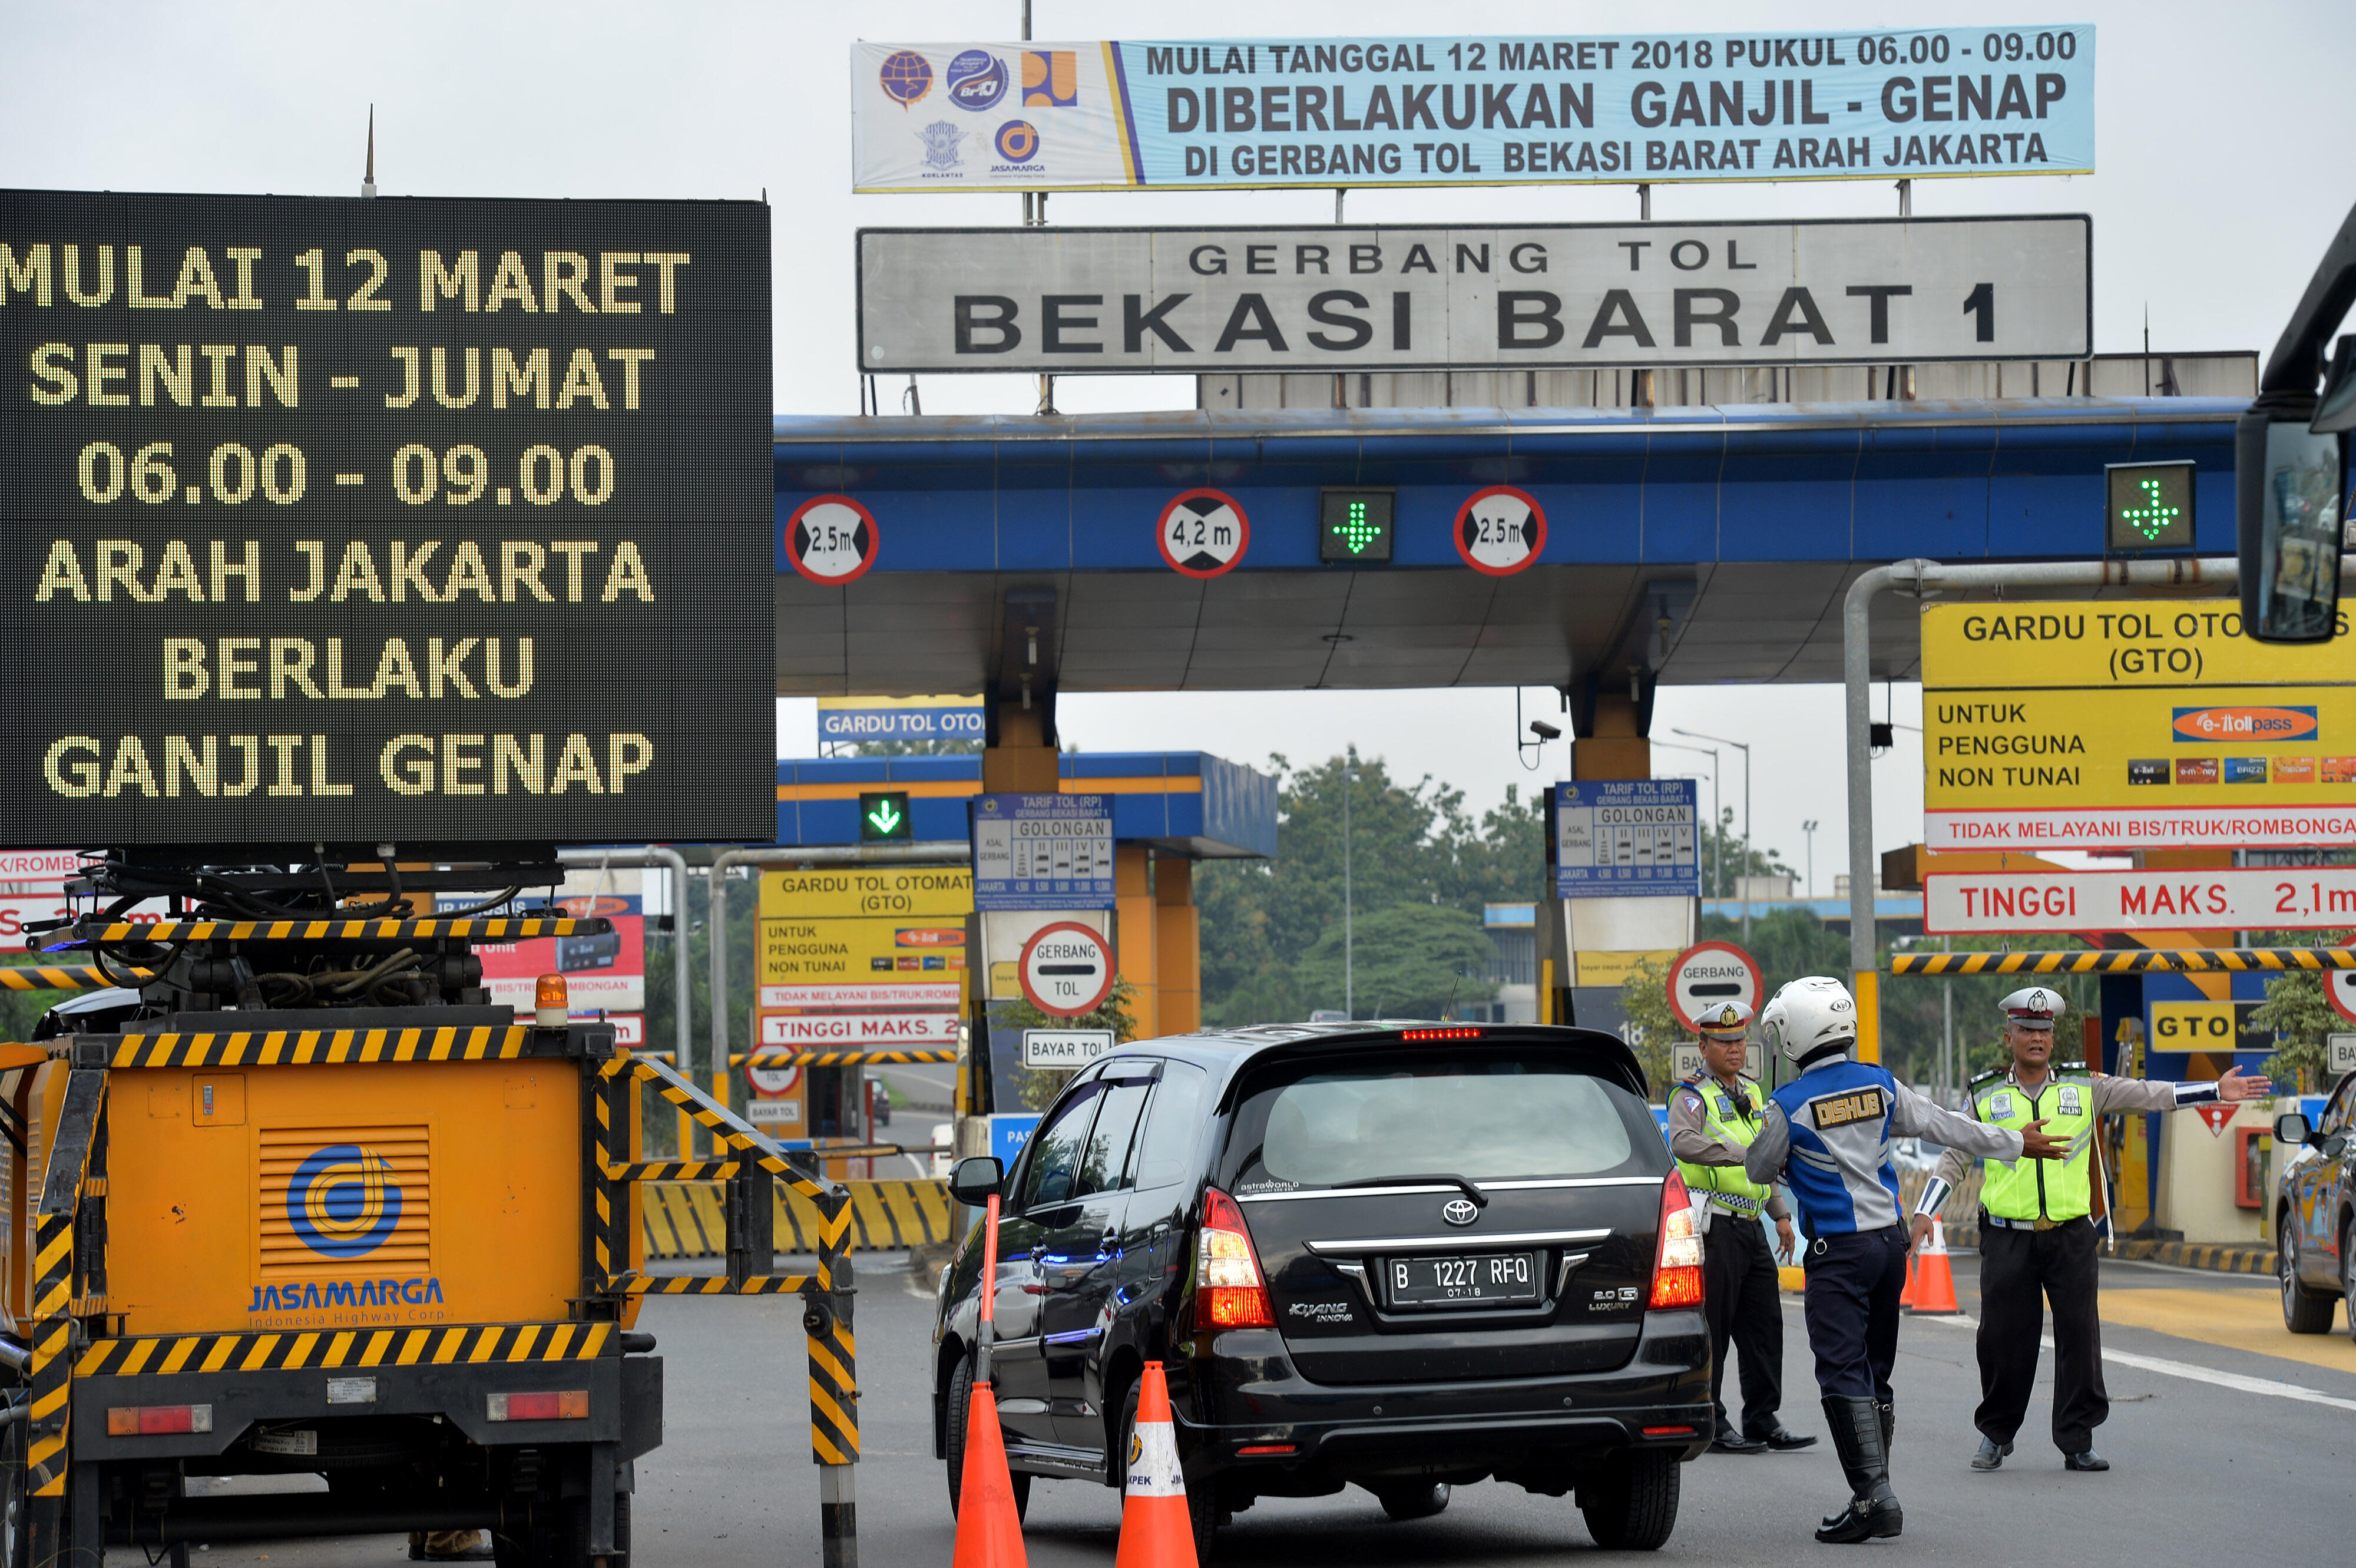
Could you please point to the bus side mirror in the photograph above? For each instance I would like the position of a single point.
(2290, 484)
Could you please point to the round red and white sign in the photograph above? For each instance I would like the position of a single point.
(774, 1082)
(1203, 533)
(831, 539)
(2339, 986)
(1500, 531)
(1066, 969)
(1712, 974)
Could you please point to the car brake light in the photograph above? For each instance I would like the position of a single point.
(1677, 1267)
(1440, 1033)
(569, 1404)
(552, 1002)
(150, 1419)
(1226, 1273)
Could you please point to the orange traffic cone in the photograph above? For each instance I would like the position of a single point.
(1913, 1280)
(990, 1531)
(1934, 1293)
(1155, 1532)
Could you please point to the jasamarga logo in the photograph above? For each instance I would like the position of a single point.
(343, 1201)
(327, 1295)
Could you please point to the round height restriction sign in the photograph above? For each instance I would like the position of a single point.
(831, 539)
(1066, 969)
(1203, 533)
(1712, 974)
(1500, 531)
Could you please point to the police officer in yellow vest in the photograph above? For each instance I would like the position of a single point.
(1715, 1113)
(2037, 1236)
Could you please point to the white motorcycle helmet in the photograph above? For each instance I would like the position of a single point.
(1809, 1014)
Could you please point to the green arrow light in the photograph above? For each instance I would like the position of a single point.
(884, 814)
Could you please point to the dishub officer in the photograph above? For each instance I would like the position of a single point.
(1826, 1134)
(2037, 1236)
(1715, 1114)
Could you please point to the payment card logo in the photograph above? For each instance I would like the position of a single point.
(2216, 725)
(343, 1201)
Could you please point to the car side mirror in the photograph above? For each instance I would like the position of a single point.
(2289, 482)
(974, 1182)
(2291, 1129)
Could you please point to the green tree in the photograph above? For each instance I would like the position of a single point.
(1645, 998)
(1727, 856)
(1414, 960)
(1408, 845)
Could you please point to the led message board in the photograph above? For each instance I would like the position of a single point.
(354, 520)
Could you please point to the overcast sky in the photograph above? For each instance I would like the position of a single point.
(2220, 145)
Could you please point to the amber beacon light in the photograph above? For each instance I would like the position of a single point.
(552, 1000)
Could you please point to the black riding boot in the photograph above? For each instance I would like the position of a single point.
(1873, 1508)
(1889, 1408)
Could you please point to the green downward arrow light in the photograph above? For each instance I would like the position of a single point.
(884, 814)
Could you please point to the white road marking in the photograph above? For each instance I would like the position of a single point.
(2191, 1371)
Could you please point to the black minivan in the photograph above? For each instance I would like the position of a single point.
(1405, 1256)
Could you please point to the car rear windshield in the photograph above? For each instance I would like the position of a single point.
(1490, 1116)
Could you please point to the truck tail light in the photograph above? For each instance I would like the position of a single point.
(552, 1002)
(1226, 1271)
(1677, 1267)
(570, 1404)
(157, 1419)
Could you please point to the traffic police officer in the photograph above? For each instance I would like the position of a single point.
(2037, 1238)
(1716, 1113)
(1827, 1134)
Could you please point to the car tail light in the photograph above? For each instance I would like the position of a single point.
(1440, 1033)
(153, 1420)
(1677, 1268)
(570, 1404)
(552, 1002)
(1226, 1273)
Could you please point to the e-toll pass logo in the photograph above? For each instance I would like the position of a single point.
(2232, 723)
(343, 1201)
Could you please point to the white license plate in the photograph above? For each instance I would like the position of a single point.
(1448, 1281)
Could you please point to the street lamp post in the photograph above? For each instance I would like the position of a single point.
(1742, 870)
(1717, 882)
(1808, 832)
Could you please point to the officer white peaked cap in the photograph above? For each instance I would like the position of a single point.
(2033, 1007)
(1808, 1015)
(1724, 1020)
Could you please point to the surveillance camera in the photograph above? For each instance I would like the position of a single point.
(1543, 730)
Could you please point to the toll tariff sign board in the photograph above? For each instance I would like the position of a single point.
(1212, 113)
(2096, 725)
(354, 521)
(1455, 298)
(2319, 898)
(1626, 838)
(1042, 852)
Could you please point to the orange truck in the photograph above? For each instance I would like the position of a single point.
(396, 1246)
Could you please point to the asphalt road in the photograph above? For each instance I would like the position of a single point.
(2212, 1463)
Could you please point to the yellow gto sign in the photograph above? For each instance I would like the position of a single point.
(2136, 725)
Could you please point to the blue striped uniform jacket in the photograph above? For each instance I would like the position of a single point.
(1826, 1135)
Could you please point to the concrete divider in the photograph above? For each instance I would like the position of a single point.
(683, 1218)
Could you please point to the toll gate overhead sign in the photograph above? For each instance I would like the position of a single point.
(1528, 296)
(399, 520)
(1627, 838)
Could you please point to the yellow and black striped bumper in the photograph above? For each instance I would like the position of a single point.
(508, 1342)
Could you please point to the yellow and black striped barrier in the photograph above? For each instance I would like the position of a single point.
(770, 1059)
(511, 928)
(2126, 960)
(685, 1218)
(65, 977)
(321, 1048)
(351, 1348)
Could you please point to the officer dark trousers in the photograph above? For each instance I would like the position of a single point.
(2019, 1269)
(1738, 1299)
(1855, 1279)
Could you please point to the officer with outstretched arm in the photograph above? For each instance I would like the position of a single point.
(1827, 1134)
(2037, 1234)
(1714, 1115)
